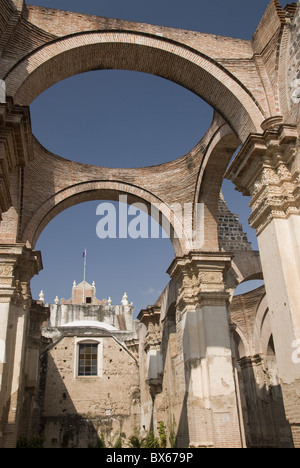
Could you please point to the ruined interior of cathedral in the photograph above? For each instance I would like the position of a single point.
(216, 369)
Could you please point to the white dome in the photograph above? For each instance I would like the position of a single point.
(90, 323)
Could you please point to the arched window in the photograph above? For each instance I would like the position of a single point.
(88, 358)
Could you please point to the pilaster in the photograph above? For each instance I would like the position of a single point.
(268, 169)
(152, 347)
(203, 323)
(18, 265)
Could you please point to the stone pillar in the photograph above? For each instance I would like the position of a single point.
(202, 320)
(30, 410)
(17, 266)
(153, 365)
(268, 169)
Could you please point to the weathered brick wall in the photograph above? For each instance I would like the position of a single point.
(9, 18)
(240, 79)
(293, 69)
(227, 57)
(230, 231)
(49, 175)
(232, 53)
(62, 23)
(56, 44)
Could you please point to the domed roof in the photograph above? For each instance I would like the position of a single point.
(90, 323)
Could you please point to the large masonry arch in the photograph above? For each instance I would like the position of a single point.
(104, 190)
(141, 52)
(253, 87)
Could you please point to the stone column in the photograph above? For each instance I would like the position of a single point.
(153, 365)
(30, 409)
(268, 169)
(17, 266)
(202, 320)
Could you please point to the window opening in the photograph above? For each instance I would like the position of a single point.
(88, 359)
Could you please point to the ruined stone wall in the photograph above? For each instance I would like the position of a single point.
(163, 399)
(261, 393)
(171, 404)
(163, 387)
(230, 231)
(77, 410)
(245, 82)
(39, 26)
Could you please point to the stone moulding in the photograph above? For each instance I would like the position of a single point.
(265, 170)
(200, 276)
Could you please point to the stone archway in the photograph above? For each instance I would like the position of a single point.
(103, 190)
(136, 51)
(240, 80)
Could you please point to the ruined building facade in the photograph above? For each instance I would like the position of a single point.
(88, 384)
(217, 370)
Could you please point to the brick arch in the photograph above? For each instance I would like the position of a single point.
(101, 190)
(222, 146)
(137, 51)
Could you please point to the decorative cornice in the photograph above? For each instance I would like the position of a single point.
(151, 318)
(264, 169)
(200, 277)
(15, 145)
(150, 314)
(18, 265)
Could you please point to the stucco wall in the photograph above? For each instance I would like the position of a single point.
(78, 409)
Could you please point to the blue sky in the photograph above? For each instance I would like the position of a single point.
(126, 119)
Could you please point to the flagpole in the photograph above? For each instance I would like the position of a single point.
(84, 266)
(84, 276)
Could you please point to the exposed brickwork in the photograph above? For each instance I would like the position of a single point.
(293, 70)
(154, 49)
(68, 182)
(227, 58)
(230, 231)
(249, 84)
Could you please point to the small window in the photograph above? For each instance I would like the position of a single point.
(88, 300)
(88, 360)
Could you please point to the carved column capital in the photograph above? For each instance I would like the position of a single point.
(151, 318)
(200, 278)
(265, 169)
(15, 145)
(18, 265)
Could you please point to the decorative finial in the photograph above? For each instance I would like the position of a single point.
(74, 284)
(93, 284)
(109, 302)
(124, 301)
(56, 300)
(41, 296)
